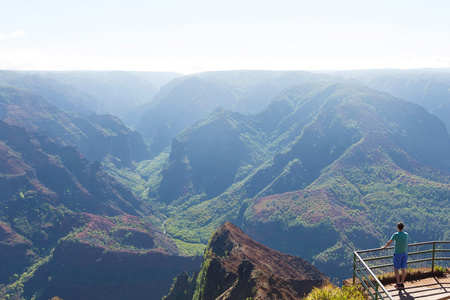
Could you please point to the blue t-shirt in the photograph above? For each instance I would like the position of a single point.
(401, 242)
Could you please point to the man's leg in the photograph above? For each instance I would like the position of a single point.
(403, 275)
(397, 266)
(403, 266)
(397, 277)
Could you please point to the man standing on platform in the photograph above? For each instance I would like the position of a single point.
(400, 254)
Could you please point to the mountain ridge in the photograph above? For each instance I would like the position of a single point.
(95, 136)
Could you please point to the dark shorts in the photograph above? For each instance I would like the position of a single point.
(400, 260)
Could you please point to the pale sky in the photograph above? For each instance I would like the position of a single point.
(198, 35)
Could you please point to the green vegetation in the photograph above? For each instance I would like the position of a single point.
(37, 220)
(127, 176)
(201, 278)
(16, 288)
(331, 292)
(133, 235)
(190, 248)
(440, 269)
(142, 178)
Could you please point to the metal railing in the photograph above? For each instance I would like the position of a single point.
(369, 264)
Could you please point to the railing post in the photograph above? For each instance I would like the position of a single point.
(433, 256)
(376, 290)
(354, 268)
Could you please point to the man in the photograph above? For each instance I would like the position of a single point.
(400, 254)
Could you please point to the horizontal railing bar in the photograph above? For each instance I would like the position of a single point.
(410, 262)
(410, 245)
(429, 243)
(390, 256)
(420, 260)
(381, 266)
(377, 258)
(373, 250)
(420, 252)
(409, 254)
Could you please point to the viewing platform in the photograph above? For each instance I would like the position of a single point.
(431, 288)
(428, 276)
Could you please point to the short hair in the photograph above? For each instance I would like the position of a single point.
(400, 225)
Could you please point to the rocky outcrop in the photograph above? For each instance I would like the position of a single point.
(237, 267)
(183, 287)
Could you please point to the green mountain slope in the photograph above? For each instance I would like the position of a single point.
(187, 100)
(67, 228)
(342, 160)
(209, 157)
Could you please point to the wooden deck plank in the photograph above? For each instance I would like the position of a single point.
(433, 288)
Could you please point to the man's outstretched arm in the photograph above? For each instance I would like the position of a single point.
(387, 244)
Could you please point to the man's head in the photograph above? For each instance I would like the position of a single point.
(400, 226)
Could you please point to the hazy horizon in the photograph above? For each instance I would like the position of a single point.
(236, 70)
(199, 36)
